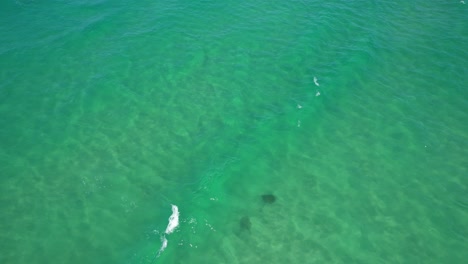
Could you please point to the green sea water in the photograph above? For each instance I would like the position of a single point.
(353, 114)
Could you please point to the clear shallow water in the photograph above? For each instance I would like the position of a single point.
(112, 111)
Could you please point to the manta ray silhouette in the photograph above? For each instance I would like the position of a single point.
(245, 223)
(268, 198)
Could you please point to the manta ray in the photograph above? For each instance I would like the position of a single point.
(244, 223)
(268, 198)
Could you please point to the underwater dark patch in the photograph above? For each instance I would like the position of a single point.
(268, 198)
(245, 223)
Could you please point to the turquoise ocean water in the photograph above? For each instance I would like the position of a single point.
(353, 114)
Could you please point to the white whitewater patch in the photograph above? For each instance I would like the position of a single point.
(316, 81)
(163, 246)
(173, 223)
(173, 220)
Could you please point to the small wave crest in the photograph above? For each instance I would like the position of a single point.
(163, 246)
(173, 223)
(173, 220)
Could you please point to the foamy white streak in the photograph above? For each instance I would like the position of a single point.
(173, 223)
(316, 81)
(173, 220)
(163, 246)
(164, 243)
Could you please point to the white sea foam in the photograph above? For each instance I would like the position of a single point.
(173, 220)
(163, 246)
(164, 243)
(316, 81)
(173, 223)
